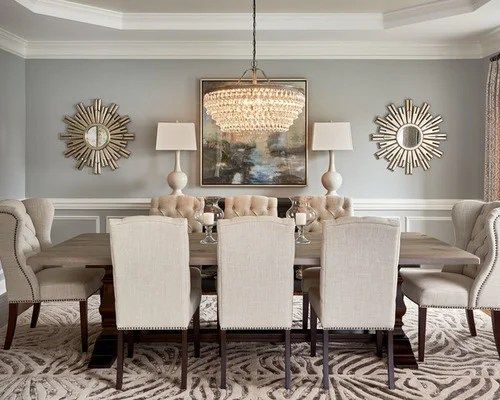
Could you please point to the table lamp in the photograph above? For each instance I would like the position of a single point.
(176, 136)
(332, 136)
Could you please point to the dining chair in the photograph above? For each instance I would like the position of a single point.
(356, 289)
(178, 207)
(255, 279)
(155, 289)
(326, 208)
(246, 205)
(469, 287)
(25, 228)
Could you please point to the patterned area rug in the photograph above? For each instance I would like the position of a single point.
(45, 363)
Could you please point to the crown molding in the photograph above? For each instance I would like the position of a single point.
(430, 11)
(242, 21)
(490, 42)
(12, 43)
(272, 50)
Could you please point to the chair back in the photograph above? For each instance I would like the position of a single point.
(243, 206)
(151, 275)
(359, 270)
(328, 207)
(178, 207)
(255, 272)
(476, 225)
(24, 230)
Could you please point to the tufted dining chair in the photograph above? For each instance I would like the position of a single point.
(364, 252)
(245, 205)
(469, 287)
(327, 208)
(255, 280)
(178, 207)
(24, 231)
(155, 289)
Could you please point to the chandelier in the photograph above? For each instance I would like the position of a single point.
(254, 107)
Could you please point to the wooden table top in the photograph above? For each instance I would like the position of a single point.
(94, 249)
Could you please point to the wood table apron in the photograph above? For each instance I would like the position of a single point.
(93, 250)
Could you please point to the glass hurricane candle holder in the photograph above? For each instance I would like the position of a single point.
(303, 215)
(208, 217)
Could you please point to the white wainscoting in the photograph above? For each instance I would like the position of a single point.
(80, 215)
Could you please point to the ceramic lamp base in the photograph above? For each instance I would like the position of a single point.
(331, 181)
(177, 180)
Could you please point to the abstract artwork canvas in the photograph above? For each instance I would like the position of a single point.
(279, 159)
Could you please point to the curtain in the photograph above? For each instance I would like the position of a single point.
(492, 133)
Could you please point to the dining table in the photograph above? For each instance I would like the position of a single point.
(93, 251)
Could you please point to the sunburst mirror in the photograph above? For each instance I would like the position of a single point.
(97, 136)
(408, 136)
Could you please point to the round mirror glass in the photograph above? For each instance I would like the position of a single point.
(97, 136)
(409, 136)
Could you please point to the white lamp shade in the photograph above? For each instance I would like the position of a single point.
(332, 136)
(176, 136)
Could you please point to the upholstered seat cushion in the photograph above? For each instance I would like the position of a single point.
(69, 283)
(435, 288)
(310, 278)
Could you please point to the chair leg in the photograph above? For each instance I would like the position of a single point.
(314, 325)
(196, 332)
(422, 322)
(130, 344)
(390, 359)
(223, 359)
(305, 310)
(326, 379)
(288, 351)
(119, 361)
(84, 326)
(184, 361)
(35, 314)
(380, 338)
(11, 327)
(470, 321)
(495, 320)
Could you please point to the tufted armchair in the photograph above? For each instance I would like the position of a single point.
(469, 287)
(178, 207)
(356, 288)
(255, 288)
(243, 206)
(327, 208)
(24, 231)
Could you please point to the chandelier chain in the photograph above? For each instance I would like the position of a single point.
(254, 54)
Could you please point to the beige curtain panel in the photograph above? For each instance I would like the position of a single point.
(492, 138)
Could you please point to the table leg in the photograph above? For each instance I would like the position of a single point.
(403, 353)
(104, 353)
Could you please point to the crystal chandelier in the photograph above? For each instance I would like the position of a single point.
(253, 108)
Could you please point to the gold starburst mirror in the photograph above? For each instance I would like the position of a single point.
(408, 136)
(97, 136)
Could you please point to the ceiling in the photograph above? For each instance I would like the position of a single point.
(238, 6)
(222, 28)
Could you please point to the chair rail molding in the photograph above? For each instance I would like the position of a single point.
(360, 204)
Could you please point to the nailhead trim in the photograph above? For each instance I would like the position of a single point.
(356, 328)
(494, 262)
(257, 328)
(52, 300)
(152, 328)
(495, 308)
(17, 259)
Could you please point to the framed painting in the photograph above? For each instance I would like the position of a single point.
(279, 159)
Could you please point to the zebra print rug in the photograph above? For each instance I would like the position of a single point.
(46, 363)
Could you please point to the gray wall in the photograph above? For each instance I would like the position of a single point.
(12, 126)
(340, 90)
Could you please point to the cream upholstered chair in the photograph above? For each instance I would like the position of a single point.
(242, 206)
(326, 207)
(357, 283)
(25, 231)
(155, 289)
(469, 287)
(178, 207)
(255, 278)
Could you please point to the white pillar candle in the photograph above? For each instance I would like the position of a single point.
(300, 219)
(208, 218)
